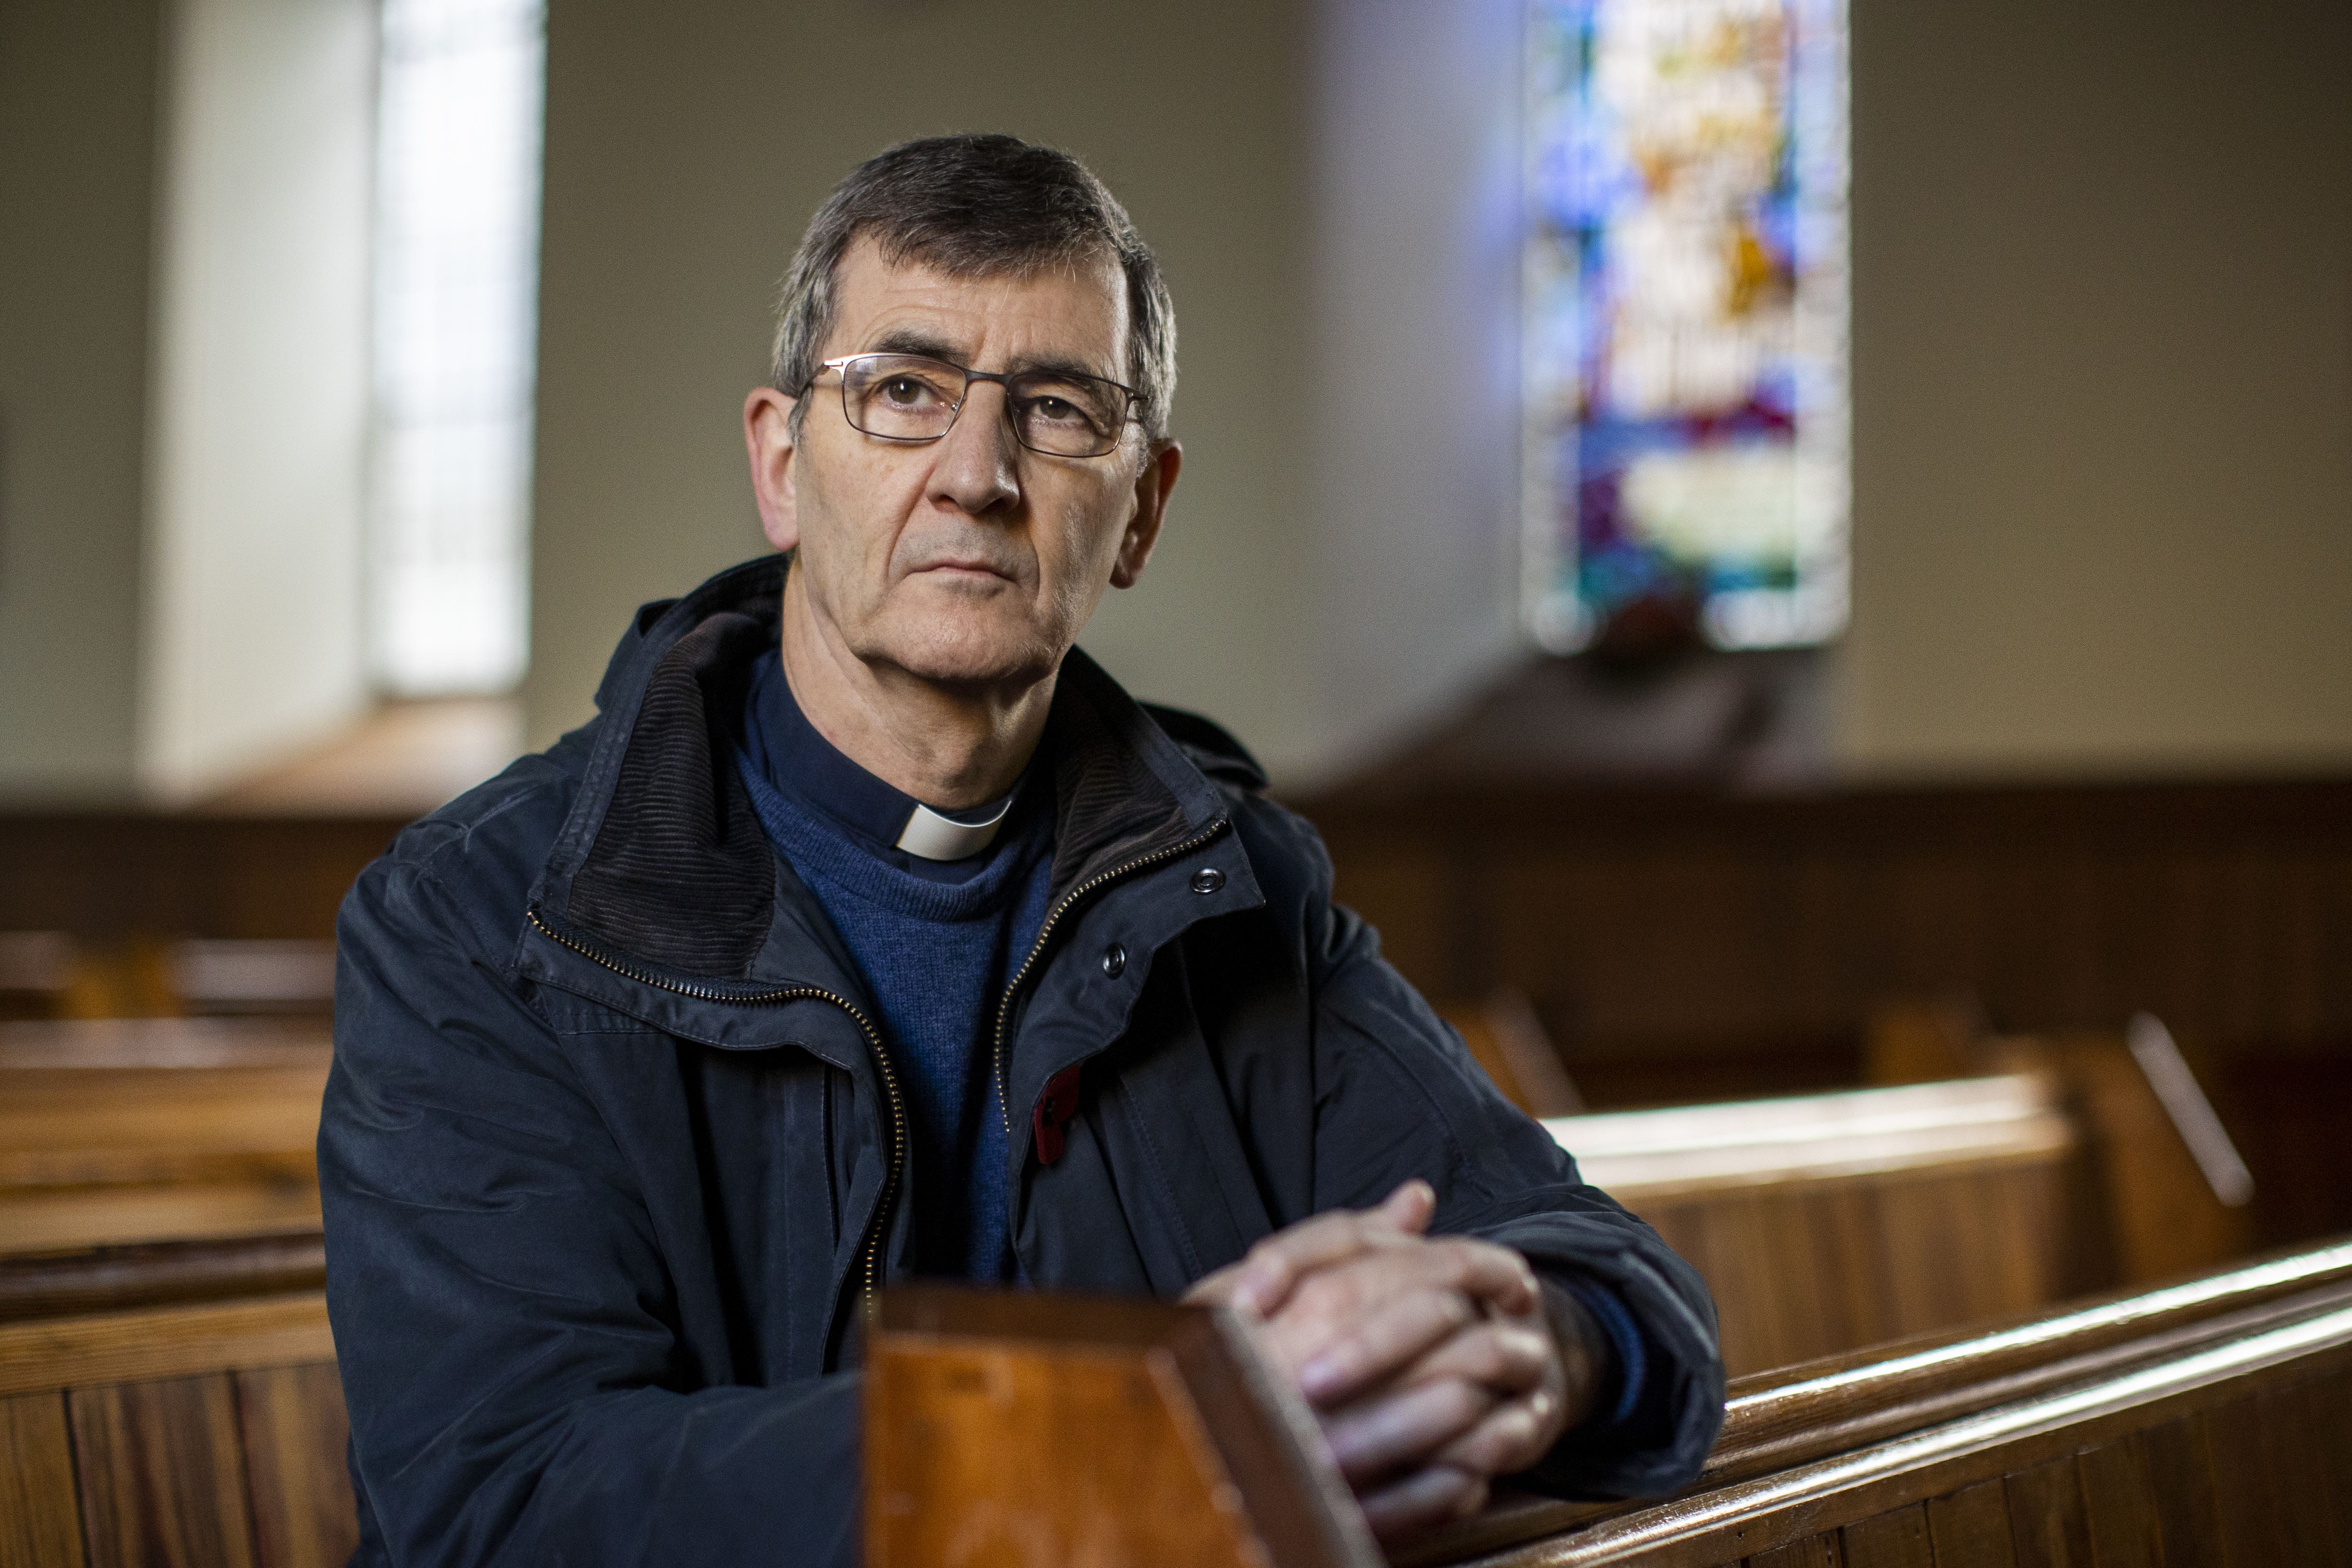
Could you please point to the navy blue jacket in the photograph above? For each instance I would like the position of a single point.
(612, 1149)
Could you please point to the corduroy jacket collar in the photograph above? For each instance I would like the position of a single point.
(662, 860)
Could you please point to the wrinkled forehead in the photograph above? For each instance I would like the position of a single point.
(1070, 315)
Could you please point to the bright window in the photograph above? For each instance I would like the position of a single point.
(1685, 336)
(457, 272)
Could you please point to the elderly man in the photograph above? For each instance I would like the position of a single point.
(870, 931)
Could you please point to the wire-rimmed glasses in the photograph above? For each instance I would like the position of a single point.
(913, 397)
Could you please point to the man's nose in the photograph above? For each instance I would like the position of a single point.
(979, 465)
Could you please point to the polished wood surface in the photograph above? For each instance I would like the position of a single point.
(208, 1434)
(40, 1521)
(1824, 1223)
(119, 1131)
(160, 1474)
(44, 1354)
(2043, 1442)
(295, 1431)
(1707, 924)
(1049, 1430)
(103, 877)
(155, 1274)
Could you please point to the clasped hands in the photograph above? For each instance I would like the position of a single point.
(1433, 1364)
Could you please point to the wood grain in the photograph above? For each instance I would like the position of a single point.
(1971, 1527)
(160, 1476)
(2120, 1507)
(73, 1219)
(2252, 1514)
(1894, 1540)
(985, 1422)
(2047, 1526)
(44, 1354)
(2181, 1490)
(40, 1527)
(298, 1479)
(114, 1279)
(1813, 1552)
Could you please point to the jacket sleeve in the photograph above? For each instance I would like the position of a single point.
(502, 1314)
(1397, 1095)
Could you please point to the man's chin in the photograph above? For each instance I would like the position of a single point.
(950, 650)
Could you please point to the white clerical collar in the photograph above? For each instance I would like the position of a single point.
(929, 835)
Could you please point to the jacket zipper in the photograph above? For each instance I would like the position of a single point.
(1005, 1011)
(871, 1252)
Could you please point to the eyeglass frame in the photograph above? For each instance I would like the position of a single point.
(1003, 378)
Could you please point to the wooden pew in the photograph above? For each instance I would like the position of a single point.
(125, 1131)
(208, 1435)
(2209, 1422)
(1506, 1038)
(2212, 1419)
(1824, 1223)
(2176, 1193)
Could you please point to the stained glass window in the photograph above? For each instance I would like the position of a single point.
(1685, 333)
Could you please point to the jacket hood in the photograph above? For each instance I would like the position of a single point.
(662, 858)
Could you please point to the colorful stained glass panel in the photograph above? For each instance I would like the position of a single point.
(1685, 298)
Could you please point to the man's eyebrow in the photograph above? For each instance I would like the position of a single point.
(916, 340)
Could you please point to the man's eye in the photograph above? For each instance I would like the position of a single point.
(905, 390)
(1055, 409)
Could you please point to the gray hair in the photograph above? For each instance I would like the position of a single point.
(973, 206)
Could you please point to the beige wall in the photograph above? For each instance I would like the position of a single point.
(2102, 372)
(251, 645)
(2103, 353)
(77, 152)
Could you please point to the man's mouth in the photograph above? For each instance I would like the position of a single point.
(971, 566)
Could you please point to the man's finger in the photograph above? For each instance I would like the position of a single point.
(1508, 1357)
(1393, 1338)
(1275, 1266)
(1511, 1437)
(1387, 1431)
(1425, 1498)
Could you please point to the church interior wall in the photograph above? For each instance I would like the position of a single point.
(2103, 352)
(2103, 390)
(77, 178)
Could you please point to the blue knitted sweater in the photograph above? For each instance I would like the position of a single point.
(936, 944)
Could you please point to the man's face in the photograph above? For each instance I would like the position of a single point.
(970, 559)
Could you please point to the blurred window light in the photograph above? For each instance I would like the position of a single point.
(456, 257)
(1686, 336)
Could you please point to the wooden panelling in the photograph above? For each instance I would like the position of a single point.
(1828, 1223)
(1813, 1552)
(2006, 1436)
(1972, 1526)
(2121, 1507)
(294, 1430)
(1667, 918)
(118, 1278)
(1684, 946)
(43, 1354)
(155, 1129)
(162, 1478)
(2179, 1479)
(39, 1525)
(109, 874)
(1897, 1540)
(2047, 1526)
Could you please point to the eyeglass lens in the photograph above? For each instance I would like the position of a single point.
(906, 397)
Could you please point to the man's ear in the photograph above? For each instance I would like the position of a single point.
(768, 437)
(1151, 490)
